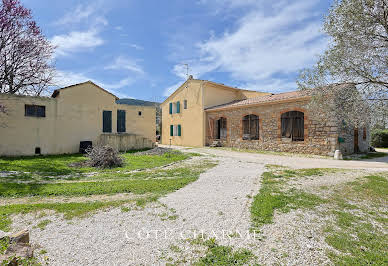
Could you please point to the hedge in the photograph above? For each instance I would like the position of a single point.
(379, 138)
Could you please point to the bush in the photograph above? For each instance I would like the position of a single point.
(104, 157)
(379, 138)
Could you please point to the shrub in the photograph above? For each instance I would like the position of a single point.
(104, 157)
(379, 138)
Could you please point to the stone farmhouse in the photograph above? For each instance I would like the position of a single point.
(201, 113)
(78, 113)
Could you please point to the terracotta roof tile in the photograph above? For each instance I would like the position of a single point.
(262, 99)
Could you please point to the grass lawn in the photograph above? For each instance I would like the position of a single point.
(357, 232)
(32, 167)
(272, 195)
(149, 184)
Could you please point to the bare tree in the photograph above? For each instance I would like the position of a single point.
(25, 53)
(357, 54)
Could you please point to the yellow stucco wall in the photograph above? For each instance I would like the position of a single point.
(191, 119)
(245, 94)
(199, 94)
(74, 115)
(216, 95)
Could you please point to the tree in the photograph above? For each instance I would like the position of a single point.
(357, 54)
(25, 53)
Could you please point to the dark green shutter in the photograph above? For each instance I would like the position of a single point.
(171, 130)
(179, 130)
(170, 108)
(120, 121)
(178, 107)
(107, 121)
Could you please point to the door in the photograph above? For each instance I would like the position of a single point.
(356, 140)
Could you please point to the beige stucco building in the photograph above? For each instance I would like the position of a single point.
(81, 112)
(201, 113)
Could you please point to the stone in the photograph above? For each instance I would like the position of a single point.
(338, 155)
(19, 247)
(22, 237)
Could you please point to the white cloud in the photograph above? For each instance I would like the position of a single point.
(76, 41)
(89, 12)
(266, 45)
(125, 63)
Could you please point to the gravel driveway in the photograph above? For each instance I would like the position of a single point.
(216, 204)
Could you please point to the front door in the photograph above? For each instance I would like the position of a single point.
(356, 140)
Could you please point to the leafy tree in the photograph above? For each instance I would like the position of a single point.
(357, 54)
(25, 53)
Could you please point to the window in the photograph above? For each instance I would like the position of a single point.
(175, 130)
(35, 110)
(121, 121)
(220, 128)
(107, 121)
(293, 125)
(175, 108)
(185, 104)
(139, 113)
(250, 127)
(364, 134)
(37, 150)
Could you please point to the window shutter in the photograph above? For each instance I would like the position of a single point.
(178, 107)
(171, 130)
(107, 121)
(179, 130)
(120, 121)
(170, 108)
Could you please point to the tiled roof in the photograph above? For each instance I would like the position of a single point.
(262, 99)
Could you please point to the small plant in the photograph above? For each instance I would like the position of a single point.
(125, 209)
(104, 157)
(42, 225)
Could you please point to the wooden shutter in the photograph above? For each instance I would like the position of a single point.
(178, 107)
(107, 121)
(170, 109)
(171, 130)
(179, 130)
(121, 121)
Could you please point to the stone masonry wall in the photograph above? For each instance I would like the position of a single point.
(319, 137)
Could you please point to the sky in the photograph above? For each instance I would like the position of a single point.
(139, 48)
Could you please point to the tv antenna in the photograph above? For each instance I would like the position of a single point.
(187, 70)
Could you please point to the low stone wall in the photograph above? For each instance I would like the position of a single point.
(125, 142)
(319, 137)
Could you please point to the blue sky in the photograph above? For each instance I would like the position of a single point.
(137, 48)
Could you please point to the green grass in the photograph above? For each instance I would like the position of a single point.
(354, 232)
(224, 255)
(42, 224)
(153, 188)
(35, 167)
(272, 197)
(4, 244)
(158, 186)
(50, 164)
(373, 155)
